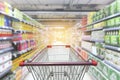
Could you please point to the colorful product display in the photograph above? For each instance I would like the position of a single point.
(5, 44)
(18, 31)
(107, 11)
(113, 58)
(105, 48)
(112, 38)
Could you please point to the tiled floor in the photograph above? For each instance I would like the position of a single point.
(59, 54)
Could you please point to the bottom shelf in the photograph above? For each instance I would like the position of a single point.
(5, 72)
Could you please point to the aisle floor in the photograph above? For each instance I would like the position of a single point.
(86, 77)
(56, 55)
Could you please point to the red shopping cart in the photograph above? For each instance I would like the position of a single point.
(58, 63)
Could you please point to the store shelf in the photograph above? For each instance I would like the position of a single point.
(93, 40)
(112, 47)
(113, 65)
(6, 49)
(111, 29)
(1, 12)
(27, 22)
(93, 54)
(95, 29)
(22, 31)
(6, 38)
(21, 41)
(6, 27)
(5, 72)
(106, 18)
(101, 41)
(26, 50)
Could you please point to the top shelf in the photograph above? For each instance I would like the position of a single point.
(14, 18)
(106, 18)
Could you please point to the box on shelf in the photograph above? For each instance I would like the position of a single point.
(5, 57)
(18, 14)
(112, 37)
(4, 66)
(117, 21)
(8, 8)
(2, 7)
(2, 23)
(113, 8)
(87, 45)
(113, 57)
(94, 35)
(118, 5)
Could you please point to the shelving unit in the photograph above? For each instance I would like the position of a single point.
(104, 19)
(22, 28)
(106, 66)
(111, 29)
(112, 47)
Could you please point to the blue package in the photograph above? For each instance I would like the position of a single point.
(7, 21)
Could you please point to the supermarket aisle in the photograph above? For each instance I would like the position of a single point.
(59, 54)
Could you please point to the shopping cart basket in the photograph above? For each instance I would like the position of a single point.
(70, 68)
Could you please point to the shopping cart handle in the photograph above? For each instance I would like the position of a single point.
(94, 62)
(21, 63)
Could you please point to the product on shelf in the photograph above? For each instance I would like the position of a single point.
(17, 14)
(8, 8)
(2, 6)
(112, 37)
(5, 21)
(100, 50)
(111, 9)
(113, 57)
(95, 37)
(100, 25)
(87, 45)
(5, 65)
(89, 27)
(90, 16)
(5, 57)
(118, 6)
(17, 25)
(5, 33)
(5, 44)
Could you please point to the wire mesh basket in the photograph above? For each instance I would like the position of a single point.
(49, 64)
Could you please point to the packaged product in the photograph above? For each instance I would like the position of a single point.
(115, 38)
(8, 8)
(2, 6)
(118, 6)
(113, 8)
(117, 21)
(7, 21)
(107, 10)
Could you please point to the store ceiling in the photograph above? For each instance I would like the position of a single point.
(56, 10)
